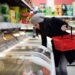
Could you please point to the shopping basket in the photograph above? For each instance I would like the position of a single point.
(64, 43)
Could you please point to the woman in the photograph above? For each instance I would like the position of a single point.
(50, 27)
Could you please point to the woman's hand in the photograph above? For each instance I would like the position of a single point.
(64, 28)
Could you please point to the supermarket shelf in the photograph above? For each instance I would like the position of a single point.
(8, 25)
(61, 16)
(26, 27)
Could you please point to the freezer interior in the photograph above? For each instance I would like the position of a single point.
(26, 60)
(11, 66)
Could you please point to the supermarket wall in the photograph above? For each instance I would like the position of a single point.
(57, 2)
(37, 2)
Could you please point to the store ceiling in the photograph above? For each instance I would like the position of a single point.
(14, 3)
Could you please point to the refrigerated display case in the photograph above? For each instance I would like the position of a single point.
(26, 59)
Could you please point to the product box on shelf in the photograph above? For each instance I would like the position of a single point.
(58, 10)
(73, 4)
(69, 10)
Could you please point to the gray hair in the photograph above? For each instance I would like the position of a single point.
(37, 18)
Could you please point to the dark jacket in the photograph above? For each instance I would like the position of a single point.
(51, 27)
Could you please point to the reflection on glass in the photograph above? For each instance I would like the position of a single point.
(26, 60)
(12, 66)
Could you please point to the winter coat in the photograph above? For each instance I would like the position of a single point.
(51, 27)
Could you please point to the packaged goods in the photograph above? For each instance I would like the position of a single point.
(69, 10)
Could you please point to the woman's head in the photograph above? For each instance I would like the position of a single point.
(36, 19)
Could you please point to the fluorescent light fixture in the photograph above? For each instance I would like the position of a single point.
(27, 4)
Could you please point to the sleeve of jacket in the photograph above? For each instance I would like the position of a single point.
(44, 40)
(43, 35)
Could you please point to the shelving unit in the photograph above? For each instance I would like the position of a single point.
(26, 27)
(61, 16)
(8, 25)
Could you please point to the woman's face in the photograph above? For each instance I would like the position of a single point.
(36, 26)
